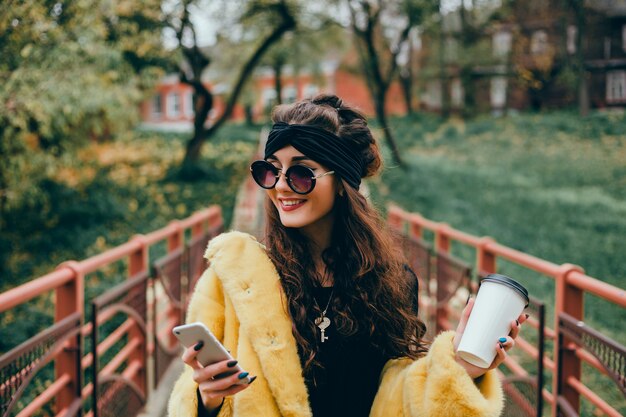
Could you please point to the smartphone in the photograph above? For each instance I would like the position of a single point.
(212, 351)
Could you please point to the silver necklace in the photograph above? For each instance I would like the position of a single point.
(322, 322)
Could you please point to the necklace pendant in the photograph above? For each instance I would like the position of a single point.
(322, 322)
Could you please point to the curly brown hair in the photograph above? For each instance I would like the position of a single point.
(373, 294)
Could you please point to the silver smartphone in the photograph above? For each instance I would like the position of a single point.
(212, 351)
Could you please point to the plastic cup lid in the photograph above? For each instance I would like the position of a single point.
(510, 282)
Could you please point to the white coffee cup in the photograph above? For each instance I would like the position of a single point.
(500, 300)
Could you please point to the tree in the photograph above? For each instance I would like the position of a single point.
(277, 17)
(406, 74)
(316, 39)
(578, 64)
(69, 71)
(380, 30)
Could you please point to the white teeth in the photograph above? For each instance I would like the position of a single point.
(291, 202)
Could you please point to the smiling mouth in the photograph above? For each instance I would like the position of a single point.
(288, 205)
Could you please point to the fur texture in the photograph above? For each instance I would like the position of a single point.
(240, 299)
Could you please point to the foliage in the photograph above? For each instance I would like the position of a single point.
(100, 195)
(71, 71)
(551, 185)
(272, 20)
(315, 39)
(381, 31)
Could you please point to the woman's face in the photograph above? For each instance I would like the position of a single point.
(311, 211)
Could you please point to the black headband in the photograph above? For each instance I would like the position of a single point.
(321, 146)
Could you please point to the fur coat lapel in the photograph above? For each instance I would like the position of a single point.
(252, 283)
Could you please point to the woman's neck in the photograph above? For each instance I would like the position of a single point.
(319, 235)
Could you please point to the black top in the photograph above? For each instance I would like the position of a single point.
(348, 383)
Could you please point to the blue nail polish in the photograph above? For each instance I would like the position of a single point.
(243, 375)
(502, 339)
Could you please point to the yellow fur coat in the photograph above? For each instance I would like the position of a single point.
(240, 299)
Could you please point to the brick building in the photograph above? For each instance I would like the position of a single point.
(171, 107)
(525, 59)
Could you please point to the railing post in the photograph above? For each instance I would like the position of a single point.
(570, 300)
(70, 299)
(415, 226)
(197, 228)
(394, 218)
(442, 244)
(442, 240)
(485, 259)
(176, 241)
(137, 263)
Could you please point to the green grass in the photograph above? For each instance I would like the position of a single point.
(551, 185)
(99, 196)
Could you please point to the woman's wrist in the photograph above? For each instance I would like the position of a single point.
(210, 409)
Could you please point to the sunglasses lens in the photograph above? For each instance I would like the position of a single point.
(264, 173)
(301, 179)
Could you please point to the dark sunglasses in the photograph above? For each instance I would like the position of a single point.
(300, 179)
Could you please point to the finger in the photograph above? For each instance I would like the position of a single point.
(189, 356)
(463, 321)
(515, 326)
(217, 387)
(215, 371)
(522, 318)
(232, 390)
(500, 356)
(507, 342)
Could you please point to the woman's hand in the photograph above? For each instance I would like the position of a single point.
(501, 347)
(212, 384)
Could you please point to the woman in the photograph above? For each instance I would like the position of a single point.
(324, 318)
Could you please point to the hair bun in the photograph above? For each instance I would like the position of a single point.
(329, 100)
(330, 112)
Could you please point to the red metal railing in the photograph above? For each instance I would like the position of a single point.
(62, 343)
(571, 349)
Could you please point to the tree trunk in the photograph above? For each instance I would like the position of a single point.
(406, 78)
(406, 81)
(381, 115)
(203, 103)
(377, 83)
(278, 82)
(583, 95)
(581, 74)
(195, 145)
(445, 103)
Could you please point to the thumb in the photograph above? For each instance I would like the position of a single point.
(463, 322)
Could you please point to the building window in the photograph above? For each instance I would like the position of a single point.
(451, 51)
(616, 86)
(157, 105)
(310, 90)
(432, 98)
(289, 94)
(624, 37)
(502, 43)
(456, 93)
(572, 35)
(173, 105)
(189, 110)
(539, 42)
(498, 92)
(268, 96)
(607, 48)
